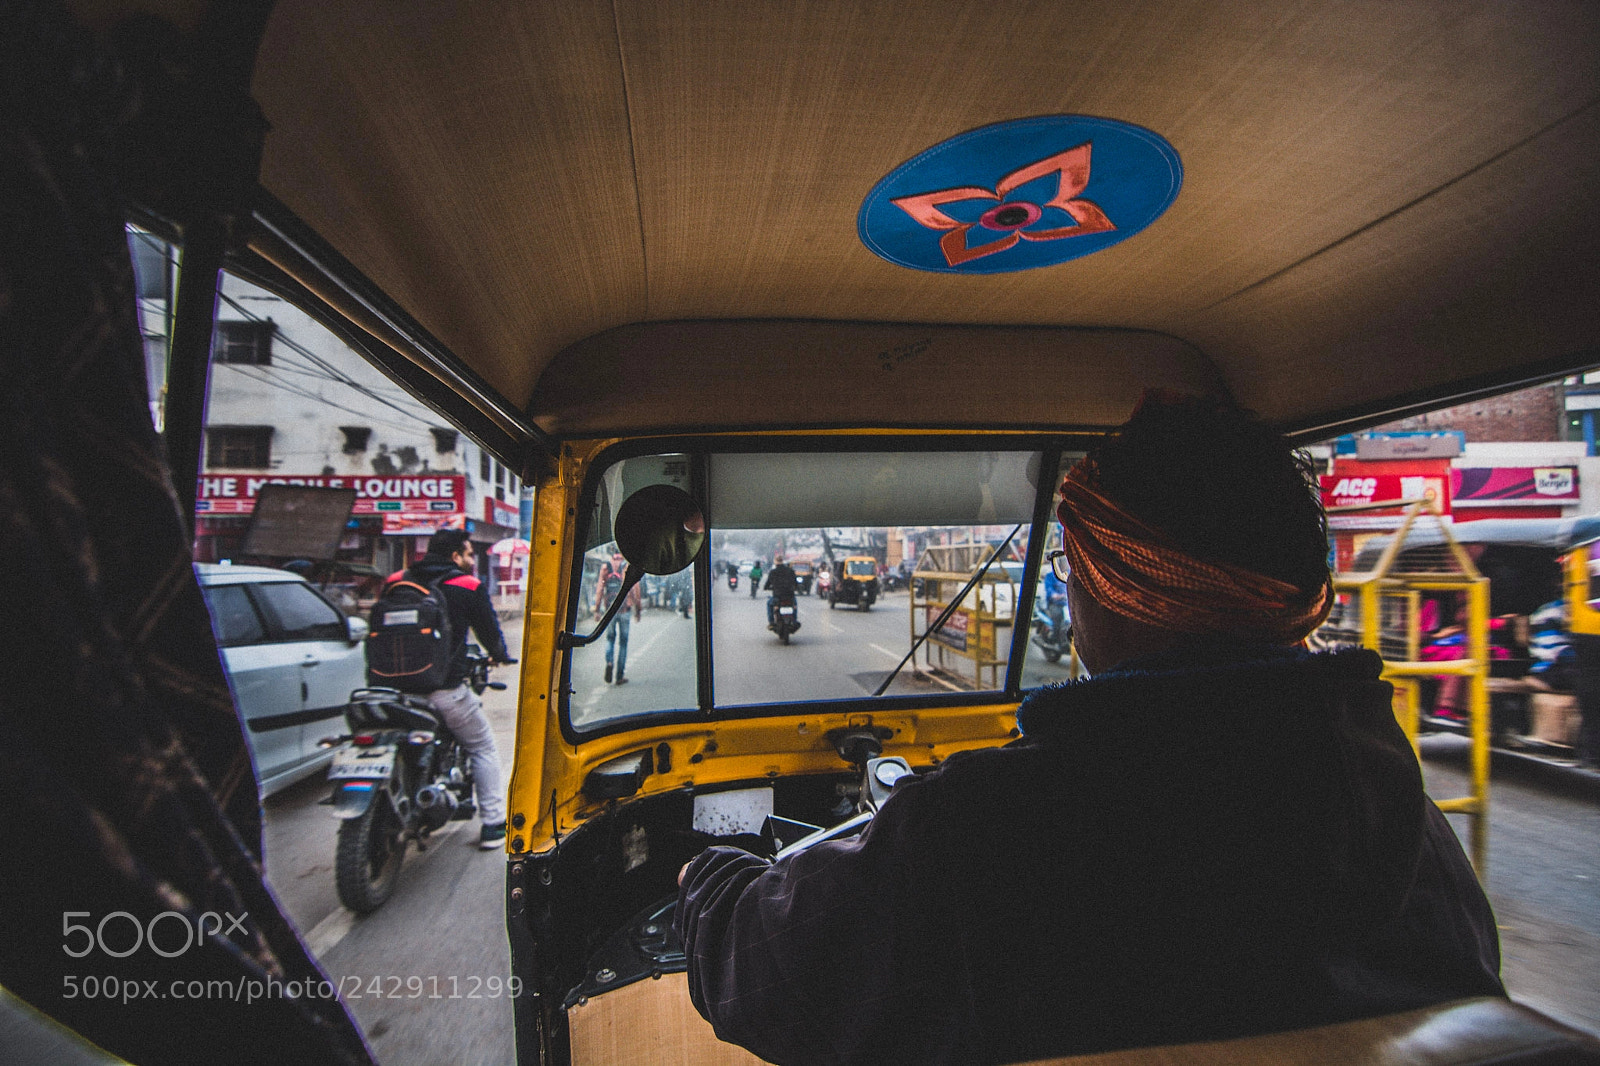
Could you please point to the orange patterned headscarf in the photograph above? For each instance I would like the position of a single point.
(1137, 571)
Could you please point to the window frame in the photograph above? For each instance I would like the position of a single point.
(215, 455)
(250, 338)
(698, 448)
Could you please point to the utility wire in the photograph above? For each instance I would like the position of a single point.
(329, 371)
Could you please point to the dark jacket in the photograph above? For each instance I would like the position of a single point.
(467, 599)
(1192, 850)
(781, 581)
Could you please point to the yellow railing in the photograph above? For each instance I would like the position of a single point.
(1387, 603)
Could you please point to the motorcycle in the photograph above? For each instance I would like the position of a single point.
(784, 616)
(1052, 639)
(398, 776)
(733, 578)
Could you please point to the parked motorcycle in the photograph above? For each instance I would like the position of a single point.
(1052, 639)
(398, 776)
(784, 617)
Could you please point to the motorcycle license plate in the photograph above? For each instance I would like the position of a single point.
(362, 763)
(786, 610)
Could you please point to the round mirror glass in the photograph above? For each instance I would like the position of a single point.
(660, 529)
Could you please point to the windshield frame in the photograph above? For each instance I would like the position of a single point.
(698, 448)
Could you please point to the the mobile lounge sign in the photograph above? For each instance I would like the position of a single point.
(438, 495)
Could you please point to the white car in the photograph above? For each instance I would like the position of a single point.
(293, 659)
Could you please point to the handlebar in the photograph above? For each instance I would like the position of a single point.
(478, 667)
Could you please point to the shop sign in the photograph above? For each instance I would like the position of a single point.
(439, 496)
(1515, 486)
(422, 525)
(1339, 490)
(499, 513)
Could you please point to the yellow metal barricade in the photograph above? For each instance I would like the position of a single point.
(978, 632)
(1380, 609)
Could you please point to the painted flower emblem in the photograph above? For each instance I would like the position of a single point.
(1038, 202)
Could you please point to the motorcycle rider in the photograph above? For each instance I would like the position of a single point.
(755, 577)
(450, 561)
(782, 583)
(1055, 604)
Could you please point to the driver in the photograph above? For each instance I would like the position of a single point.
(1218, 834)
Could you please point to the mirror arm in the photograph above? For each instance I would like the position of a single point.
(565, 640)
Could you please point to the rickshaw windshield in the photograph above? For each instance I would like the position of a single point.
(688, 647)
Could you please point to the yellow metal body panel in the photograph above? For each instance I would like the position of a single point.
(545, 798)
(1581, 616)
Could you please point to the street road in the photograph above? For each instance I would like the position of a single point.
(839, 653)
(1544, 880)
(425, 974)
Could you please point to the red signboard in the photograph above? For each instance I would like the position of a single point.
(953, 634)
(499, 513)
(437, 495)
(1340, 490)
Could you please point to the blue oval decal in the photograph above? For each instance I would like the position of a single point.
(1017, 195)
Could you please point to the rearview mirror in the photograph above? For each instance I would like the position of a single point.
(659, 530)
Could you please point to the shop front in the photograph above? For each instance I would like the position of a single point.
(389, 525)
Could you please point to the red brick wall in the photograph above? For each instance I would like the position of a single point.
(1535, 414)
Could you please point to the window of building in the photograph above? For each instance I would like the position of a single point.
(243, 342)
(356, 438)
(483, 467)
(444, 440)
(239, 446)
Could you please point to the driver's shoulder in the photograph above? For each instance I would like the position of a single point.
(978, 770)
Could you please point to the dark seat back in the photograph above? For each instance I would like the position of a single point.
(1470, 1032)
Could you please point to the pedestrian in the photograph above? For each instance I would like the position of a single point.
(451, 562)
(607, 589)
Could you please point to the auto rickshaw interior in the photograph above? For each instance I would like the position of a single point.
(627, 243)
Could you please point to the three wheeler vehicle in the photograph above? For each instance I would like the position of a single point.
(593, 234)
(855, 582)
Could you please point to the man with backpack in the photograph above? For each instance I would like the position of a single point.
(446, 573)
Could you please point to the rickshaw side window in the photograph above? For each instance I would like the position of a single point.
(1049, 657)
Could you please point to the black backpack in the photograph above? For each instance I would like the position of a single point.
(409, 644)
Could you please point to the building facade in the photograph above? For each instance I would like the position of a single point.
(289, 402)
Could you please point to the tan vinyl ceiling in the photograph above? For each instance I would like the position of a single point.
(1381, 199)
